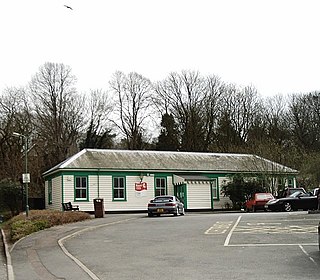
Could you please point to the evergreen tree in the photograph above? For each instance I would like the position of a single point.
(168, 138)
(94, 139)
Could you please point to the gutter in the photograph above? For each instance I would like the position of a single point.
(10, 273)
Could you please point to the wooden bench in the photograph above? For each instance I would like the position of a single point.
(67, 206)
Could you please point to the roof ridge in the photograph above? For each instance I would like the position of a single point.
(167, 152)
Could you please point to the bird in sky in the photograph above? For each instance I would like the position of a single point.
(68, 7)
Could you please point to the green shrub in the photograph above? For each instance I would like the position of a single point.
(20, 226)
(241, 188)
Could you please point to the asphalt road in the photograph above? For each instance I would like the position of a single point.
(194, 246)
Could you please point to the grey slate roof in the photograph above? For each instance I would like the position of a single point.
(129, 160)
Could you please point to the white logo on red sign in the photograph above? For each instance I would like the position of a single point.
(140, 186)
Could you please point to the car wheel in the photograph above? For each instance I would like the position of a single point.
(287, 207)
(150, 214)
(176, 211)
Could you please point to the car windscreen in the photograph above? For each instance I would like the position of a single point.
(292, 191)
(264, 196)
(295, 194)
(163, 199)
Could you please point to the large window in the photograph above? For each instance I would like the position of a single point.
(161, 186)
(119, 188)
(81, 188)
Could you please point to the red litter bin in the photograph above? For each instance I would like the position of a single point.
(98, 208)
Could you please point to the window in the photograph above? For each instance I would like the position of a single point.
(50, 192)
(81, 188)
(119, 190)
(161, 186)
(214, 189)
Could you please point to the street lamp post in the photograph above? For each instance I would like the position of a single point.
(26, 175)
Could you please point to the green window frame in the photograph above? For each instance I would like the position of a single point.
(50, 192)
(81, 191)
(119, 189)
(214, 189)
(160, 187)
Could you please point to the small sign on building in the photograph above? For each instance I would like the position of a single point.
(141, 186)
(140, 189)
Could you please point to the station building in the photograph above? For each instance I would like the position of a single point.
(126, 180)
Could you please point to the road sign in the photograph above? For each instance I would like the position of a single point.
(26, 178)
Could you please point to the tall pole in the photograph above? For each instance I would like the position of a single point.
(26, 169)
(25, 176)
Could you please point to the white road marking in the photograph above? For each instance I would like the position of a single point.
(262, 224)
(219, 228)
(77, 261)
(276, 229)
(271, 244)
(226, 243)
(306, 253)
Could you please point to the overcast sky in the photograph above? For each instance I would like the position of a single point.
(270, 44)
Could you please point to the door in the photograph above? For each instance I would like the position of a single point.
(214, 192)
(180, 191)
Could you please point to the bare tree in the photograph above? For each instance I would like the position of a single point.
(184, 96)
(304, 116)
(133, 106)
(58, 112)
(98, 132)
(242, 106)
(214, 91)
(14, 117)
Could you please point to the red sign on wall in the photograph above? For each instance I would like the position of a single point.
(140, 186)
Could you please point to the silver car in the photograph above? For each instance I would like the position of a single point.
(165, 204)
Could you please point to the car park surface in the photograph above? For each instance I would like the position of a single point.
(199, 246)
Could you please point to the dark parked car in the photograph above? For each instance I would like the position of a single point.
(165, 204)
(289, 191)
(296, 201)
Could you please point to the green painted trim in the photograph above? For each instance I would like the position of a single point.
(75, 199)
(125, 188)
(186, 195)
(98, 183)
(62, 189)
(49, 192)
(217, 192)
(156, 173)
(182, 188)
